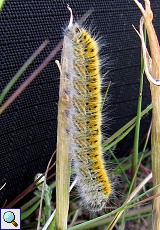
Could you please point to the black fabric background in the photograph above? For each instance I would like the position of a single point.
(28, 127)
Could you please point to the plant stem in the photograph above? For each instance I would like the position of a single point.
(137, 129)
(121, 133)
(35, 73)
(62, 171)
(21, 71)
(102, 220)
(155, 137)
(152, 70)
(63, 167)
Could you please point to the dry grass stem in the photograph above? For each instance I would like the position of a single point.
(62, 158)
(152, 69)
(42, 195)
(132, 195)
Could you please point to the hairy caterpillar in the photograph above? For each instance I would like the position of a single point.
(80, 67)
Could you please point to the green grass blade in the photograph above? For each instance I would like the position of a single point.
(1, 4)
(120, 167)
(21, 71)
(30, 211)
(99, 221)
(137, 129)
(119, 138)
(124, 128)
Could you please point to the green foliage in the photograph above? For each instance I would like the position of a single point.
(1, 4)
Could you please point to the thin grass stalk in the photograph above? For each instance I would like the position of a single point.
(156, 154)
(120, 167)
(22, 70)
(35, 73)
(137, 213)
(152, 69)
(115, 220)
(137, 129)
(117, 136)
(45, 193)
(63, 168)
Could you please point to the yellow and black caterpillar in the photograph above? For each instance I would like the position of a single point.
(81, 67)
